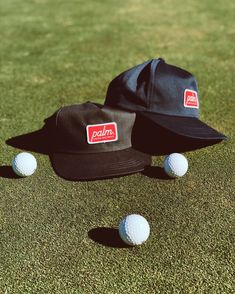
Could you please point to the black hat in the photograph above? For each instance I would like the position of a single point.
(93, 142)
(165, 95)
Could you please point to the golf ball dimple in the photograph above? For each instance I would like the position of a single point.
(24, 164)
(175, 165)
(134, 229)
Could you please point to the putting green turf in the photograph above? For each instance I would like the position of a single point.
(55, 53)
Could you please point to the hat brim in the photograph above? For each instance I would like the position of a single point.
(96, 166)
(190, 127)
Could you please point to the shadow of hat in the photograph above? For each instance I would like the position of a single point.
(40, 141)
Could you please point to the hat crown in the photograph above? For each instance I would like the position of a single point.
(167, 90)
(153, 86)
(72, 132)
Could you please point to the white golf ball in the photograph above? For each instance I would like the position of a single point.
(134, 229)
(24, 164)
(175, 165)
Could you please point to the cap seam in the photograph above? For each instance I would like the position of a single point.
(166, 114)
(150, 103)
(149, 94)
(57, 116)
(95, 152)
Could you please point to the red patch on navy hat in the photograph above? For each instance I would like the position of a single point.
(191, 99)
(102, 133)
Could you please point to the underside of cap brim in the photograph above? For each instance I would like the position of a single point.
(190, 127)
(94, 166)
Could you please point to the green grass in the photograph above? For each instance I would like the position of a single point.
(55, 53)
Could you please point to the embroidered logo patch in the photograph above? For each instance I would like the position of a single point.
(191, 99)
(102, 133)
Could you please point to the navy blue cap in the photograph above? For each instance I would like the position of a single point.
(164, 94)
